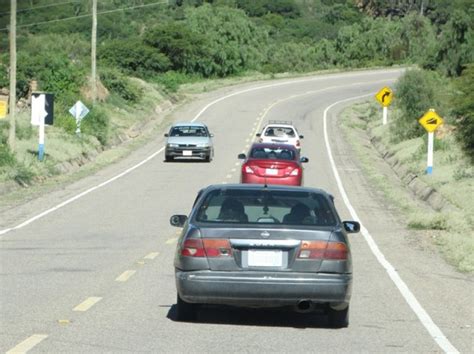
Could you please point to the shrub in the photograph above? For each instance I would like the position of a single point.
(416, 92)
(463, 103)
(134, 57)
(7, 158)
(96, 123)
(119, 84)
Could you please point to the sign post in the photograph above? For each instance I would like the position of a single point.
(430, 121)
(42, 113)
(79, 111)
(384, 97)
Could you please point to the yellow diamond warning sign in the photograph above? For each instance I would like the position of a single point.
(3, 109)
(384, 96)
(431, 121)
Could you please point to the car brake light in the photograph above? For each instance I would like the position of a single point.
(322, 250)
(295, 172)
(248, 169)
(195, 247)
(260, 140)
(217, 248)
(297, 143)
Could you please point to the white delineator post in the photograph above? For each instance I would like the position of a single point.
(41, 139)
(78, 121)
(385, 115)
(429, 168)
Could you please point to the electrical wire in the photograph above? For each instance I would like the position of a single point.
(87, 15)
(41, 7)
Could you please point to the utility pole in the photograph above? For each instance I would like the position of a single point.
(93, 52)
(12, 103)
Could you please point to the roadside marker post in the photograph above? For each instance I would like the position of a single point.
(42, 113)
(384, 97)
(79, 111)
(430, 121)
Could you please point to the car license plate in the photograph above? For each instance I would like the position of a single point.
(187, 153)
(271, 171)
(267, 258)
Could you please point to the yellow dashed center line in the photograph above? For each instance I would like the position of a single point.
(125, 275)
(28, 344)
(171, 240)
(151, 255)
(87, 304)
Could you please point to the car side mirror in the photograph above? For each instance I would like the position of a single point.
(178, 220)
(241, 156)
(301, 136)
(167, 135)
(351, 227)
(258, 135)
(304, 159)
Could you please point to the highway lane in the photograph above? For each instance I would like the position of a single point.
(121, 232)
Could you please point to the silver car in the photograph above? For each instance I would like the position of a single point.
(189, 141)
(264, 246)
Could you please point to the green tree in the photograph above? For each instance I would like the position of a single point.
(234, 42)
(133, 57)
(456, 45)
(463, 109)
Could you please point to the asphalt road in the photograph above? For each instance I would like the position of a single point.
(96, 273)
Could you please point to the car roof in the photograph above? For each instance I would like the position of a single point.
(272, 146)
(270, 187)
(188, 124)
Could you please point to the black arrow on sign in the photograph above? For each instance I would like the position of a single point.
(432, 121)
(385, 94)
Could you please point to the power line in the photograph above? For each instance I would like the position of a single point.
(41, 7)
(88, 15)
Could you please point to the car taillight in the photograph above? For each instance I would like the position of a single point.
(217, 248)
(295, 172)
(248, 169)
(298, 143)
(322, 250)
(195, 247)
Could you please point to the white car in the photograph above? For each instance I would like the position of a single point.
(280, 132)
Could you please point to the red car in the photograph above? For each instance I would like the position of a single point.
(272, 164)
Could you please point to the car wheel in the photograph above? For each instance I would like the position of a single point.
(168, 158)
(185, 311)
(338, 318)
(208, 158)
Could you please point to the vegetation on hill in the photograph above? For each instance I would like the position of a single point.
(179, 41)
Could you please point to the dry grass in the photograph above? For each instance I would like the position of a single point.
(452, 177)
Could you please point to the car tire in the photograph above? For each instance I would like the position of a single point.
(168, 158)
(208, 158)
(185, 311)
(338, 318)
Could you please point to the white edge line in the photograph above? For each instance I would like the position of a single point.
(27, 344)
(80, 195)
(409, 297)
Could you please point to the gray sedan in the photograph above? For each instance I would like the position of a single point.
(189, 141)
(264, 246)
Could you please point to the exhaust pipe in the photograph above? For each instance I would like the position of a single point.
(304, 306)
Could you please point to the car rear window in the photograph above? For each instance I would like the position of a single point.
(279, 131)
(277, 153)
(188, 131)
(266, 207)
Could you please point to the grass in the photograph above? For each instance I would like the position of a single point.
(452, 177)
